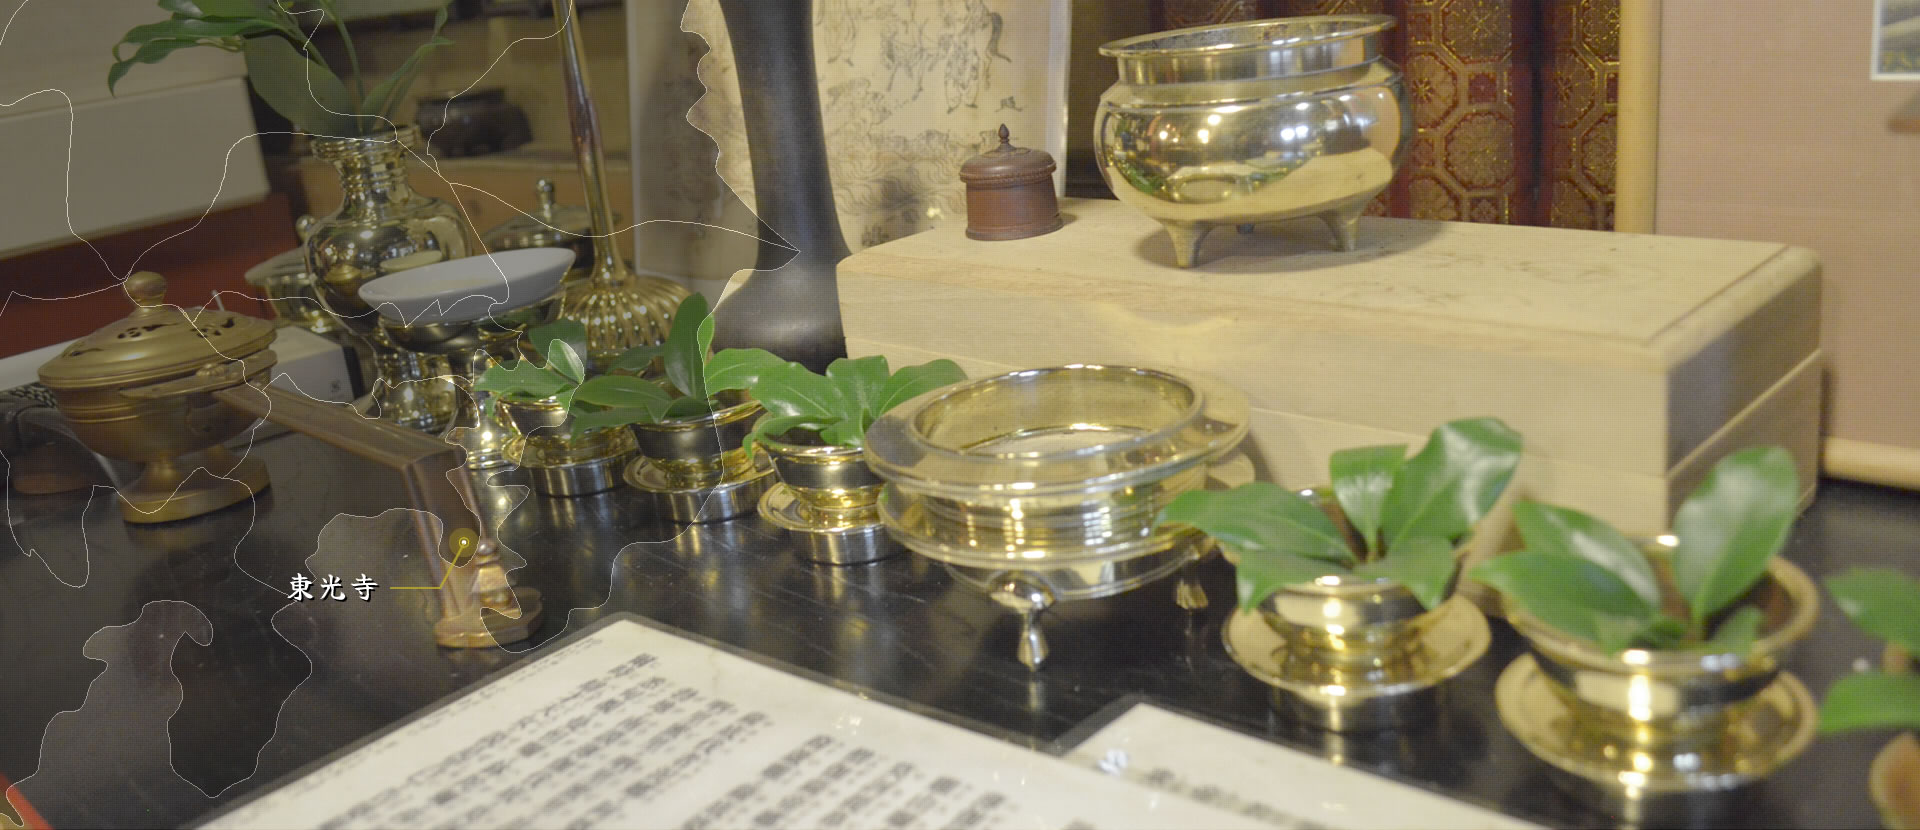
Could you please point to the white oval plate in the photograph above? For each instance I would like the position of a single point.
(468, 289)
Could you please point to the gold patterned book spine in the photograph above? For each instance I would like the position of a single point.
(1470, 84)
(1580, 113)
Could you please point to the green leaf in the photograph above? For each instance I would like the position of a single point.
(913, 381)
(1732, 525)
(687, 407)
(1454, 481)
(585, 418)
(569, 331)
(774, 426)
(384, 95)
(1261, 518)
(304, 91)
(638, 358)
(732, 369)
(1871, 700)
(1557, 530)
(1882, 602)
(1361, 478)
(686, 354)
(190, 29)
(1570, 594)
(1421, 564)
(150, 52)
(862, 381)
(1261, 573)
(789, 389)
(1737, 633)
(623, 392)
(562, 358)
(1665, 631)
(844, 433)
(523, 379)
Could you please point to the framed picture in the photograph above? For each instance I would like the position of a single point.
(1896, 40)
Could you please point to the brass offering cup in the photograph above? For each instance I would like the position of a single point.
(1894, 778)
(827, 500)
(1661, 736)
(1352, 655)
(696, 469)
(558, 461)
(1042, 485)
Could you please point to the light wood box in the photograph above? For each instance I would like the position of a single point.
(1630, 363)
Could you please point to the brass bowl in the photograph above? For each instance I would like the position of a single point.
(704, 450)
(1657, 735)
(833, 484)
(558, 462)
(1894, 778)
(1348, 655)
(1043, 485)
(1250, 122)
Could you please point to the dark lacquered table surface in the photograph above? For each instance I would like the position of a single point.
(154, 674)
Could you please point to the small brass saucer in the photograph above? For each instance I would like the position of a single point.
(1375, 694)
(701, 505)
(847, 545)
(1660, 781)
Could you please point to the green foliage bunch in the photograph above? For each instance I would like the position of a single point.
(1886, 604)
(842, 403)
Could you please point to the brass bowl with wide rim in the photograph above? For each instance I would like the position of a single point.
(697, 470)
(1658, 735)
(1350, 655)
(559, 462)
(827, 500)
(1043, 485)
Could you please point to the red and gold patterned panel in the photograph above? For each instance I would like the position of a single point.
(1581, 113)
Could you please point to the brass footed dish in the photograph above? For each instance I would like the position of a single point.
(1664, 736)
(1042, 486)
(559, 462)
(827, 501)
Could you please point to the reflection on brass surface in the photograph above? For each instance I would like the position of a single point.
(702, 451)
(738, 495)
(134, 391)
(559, 462)
(383, 226)
(828, 542)
(1251, 122)
(1042, 485)
(1656, 734)
(827, 501)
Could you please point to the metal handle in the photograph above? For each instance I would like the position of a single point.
(218, 376)
(1029, 599)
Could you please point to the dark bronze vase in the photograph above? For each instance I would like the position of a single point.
(789, 305)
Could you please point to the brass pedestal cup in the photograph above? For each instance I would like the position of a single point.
(827, 501)
(695, 470)
(559, 462)
(1664, 736)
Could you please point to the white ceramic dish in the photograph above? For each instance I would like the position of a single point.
(468, 289)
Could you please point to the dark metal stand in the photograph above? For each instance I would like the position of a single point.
(791, 310)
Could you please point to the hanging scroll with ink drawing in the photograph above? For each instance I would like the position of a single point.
(908, 92)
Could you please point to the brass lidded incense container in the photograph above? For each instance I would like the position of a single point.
(1667, 735)
(1351, 655)
(116, 387)
(1041, 486)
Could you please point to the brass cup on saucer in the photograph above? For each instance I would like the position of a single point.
(1351, 655)
(1042, 486)
(1894, 779)
(695, 470)
(827, 501)
(559, 462)
(1659, 736)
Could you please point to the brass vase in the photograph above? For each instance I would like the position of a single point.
(828, 500)
(1664, 736)
(383, 226)
(1350, 655)
(697, 470)
(558, 461)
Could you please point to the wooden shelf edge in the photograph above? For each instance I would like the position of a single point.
(1872, 463)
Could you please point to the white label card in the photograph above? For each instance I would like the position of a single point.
(635, 727)
(1256, 779)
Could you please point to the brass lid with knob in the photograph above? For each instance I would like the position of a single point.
(1010, 192)
(550, 225)
(155, 342)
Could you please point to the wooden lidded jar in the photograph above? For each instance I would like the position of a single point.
(1010, 192)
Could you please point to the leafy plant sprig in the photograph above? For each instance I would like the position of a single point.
(1886, 604)
(598, 400)
(841, 404)
(292, 77)
(1409, 514)
(1583, 578)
